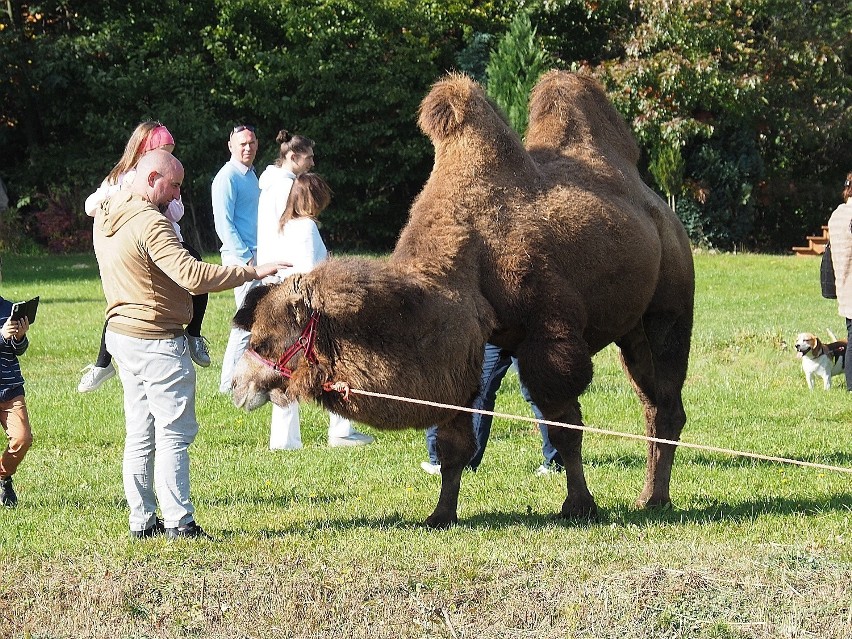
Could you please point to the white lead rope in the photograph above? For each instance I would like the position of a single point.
(601, 431)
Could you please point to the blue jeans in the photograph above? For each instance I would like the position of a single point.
(495, 365)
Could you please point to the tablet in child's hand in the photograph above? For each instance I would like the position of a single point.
(28, 309)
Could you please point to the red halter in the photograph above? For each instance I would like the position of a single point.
(304, 343)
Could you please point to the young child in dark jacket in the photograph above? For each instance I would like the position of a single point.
(13, 409)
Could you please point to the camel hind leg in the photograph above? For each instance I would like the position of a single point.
(655, 356)
(579, 502)
(555, 373)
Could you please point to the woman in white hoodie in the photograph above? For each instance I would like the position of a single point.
(291, 200)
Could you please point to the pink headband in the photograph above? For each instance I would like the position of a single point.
(157, 138)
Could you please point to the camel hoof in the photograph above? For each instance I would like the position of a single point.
(655, 504)
(440, 522)
(580, 512)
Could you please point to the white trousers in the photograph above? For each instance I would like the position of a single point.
(285, 434)
(159, 407)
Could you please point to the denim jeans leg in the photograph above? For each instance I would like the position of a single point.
(495, 364)
(550, 454)
(432, 444)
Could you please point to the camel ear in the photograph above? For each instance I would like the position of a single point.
(245, 315)
(445, 107)
(296, 294)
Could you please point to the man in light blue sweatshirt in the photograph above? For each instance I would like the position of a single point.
(235, 194)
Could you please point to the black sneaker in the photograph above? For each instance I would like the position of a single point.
(151, 531)
(8, 498)
(187, 531)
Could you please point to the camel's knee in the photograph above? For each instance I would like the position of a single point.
(455, 442)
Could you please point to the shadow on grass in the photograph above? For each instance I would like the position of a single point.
(720, 460)
(711, 514)
(620, 517)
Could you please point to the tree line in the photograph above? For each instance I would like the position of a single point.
(741, 108)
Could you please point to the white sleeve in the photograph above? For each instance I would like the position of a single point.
(305, 248)
(95, 199)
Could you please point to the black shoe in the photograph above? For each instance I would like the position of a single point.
(8, 498)
(187, 531)
(151, 531)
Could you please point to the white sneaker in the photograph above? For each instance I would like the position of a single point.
(95, 376)
(432, 469)
(546, 469)
(355, 439)
(198, 350)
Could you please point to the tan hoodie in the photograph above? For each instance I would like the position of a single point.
(147, 275)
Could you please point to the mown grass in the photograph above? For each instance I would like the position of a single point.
(328, 543)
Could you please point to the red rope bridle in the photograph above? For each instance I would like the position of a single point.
(305, 343)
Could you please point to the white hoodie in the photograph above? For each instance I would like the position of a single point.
(275, 184)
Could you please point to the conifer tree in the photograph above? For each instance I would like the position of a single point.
(513, 69)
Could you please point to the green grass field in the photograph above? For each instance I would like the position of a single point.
(328, 542)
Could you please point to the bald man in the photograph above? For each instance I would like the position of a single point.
(147, 277)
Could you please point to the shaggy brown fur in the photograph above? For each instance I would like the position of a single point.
(552, 251)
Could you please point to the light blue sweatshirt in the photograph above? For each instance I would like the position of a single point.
(235, 194)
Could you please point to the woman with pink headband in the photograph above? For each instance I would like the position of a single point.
(147, 136)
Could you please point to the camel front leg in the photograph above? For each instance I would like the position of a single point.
(456, 446)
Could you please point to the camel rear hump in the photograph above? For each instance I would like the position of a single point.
(571, 115)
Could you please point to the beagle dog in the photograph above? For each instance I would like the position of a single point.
(825, 360)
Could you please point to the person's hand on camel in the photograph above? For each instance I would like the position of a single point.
(270, 268)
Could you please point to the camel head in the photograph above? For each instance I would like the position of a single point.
(277, 317)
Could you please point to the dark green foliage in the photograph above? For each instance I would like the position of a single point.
(769, 74)
(720, 80)
(348, 74)
(579, 31)
(718, 207)
(353, 86)
(473, 59)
